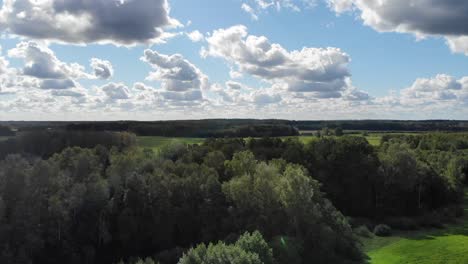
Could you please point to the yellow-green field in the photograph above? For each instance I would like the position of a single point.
(444, 246)
(154, 142)
(158, 142)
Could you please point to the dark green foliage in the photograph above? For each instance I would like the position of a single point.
(347, 167)
(110, 202)
(362, 231)
(285, 200)
(45, 143)
(249, 249)
(195, 128)
(287, 250)
(382, 230)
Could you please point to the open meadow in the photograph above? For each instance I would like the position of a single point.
(440, 246)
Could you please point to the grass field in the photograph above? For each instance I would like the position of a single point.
(444, 246)
(158, 142)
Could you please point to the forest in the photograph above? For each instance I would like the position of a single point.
(98, 197)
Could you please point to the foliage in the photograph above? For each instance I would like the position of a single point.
(382, 230)
(102, 203)
(249, 249)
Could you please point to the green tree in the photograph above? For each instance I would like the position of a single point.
(249, 249)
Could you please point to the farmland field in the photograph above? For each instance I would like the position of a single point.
(444, 246)
(158, 142)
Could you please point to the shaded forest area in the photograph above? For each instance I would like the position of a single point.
(222, 128)
(95, 197)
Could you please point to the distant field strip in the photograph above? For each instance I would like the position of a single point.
(159, 142)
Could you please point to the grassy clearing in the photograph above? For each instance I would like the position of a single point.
(158, 142)
(445, 246)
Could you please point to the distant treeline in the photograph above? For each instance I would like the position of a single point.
(45, 143)
(195, 128)
(385, 125)
(222, 128)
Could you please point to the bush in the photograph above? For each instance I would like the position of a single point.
(402, 223)
(382, 230)
(362, 231)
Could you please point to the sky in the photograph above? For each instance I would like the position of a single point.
(197, 59)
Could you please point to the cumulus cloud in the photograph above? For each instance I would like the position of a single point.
(41, 62)
(194, 95)
(59, 84)
(177, 75)
(439, 88)
(421, 18)
(321, 72)
(123, 22)
(255, 7)
(116, 91)
(3, 63)
(264, 99)
(234, 85)
(195, 36)
(68, 93)
(102, 68)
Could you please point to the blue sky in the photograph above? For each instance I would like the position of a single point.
(365, 61)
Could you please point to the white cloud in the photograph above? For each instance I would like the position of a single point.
(41, 62)
(340, 6)
(102, 68)
(422, 18)
(59, 84)
(116, 91)
(249, 10)
(235, 74)
(177, 75)
(265, 98)
(439, 88)
(321, 72)
(255, 7)
(195, 36)
(84, 21)
(234, 85)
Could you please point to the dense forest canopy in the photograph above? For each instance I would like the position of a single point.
(95, 197)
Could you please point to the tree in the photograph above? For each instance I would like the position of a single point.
(338, 132)
(249, 249)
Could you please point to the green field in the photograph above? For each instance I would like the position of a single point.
(444, 246)
(154, 142)
(158, 142)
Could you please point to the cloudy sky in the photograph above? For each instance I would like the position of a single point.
(192, 59)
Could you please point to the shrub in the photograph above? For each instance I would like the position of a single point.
(382, 230)
(362, 231)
